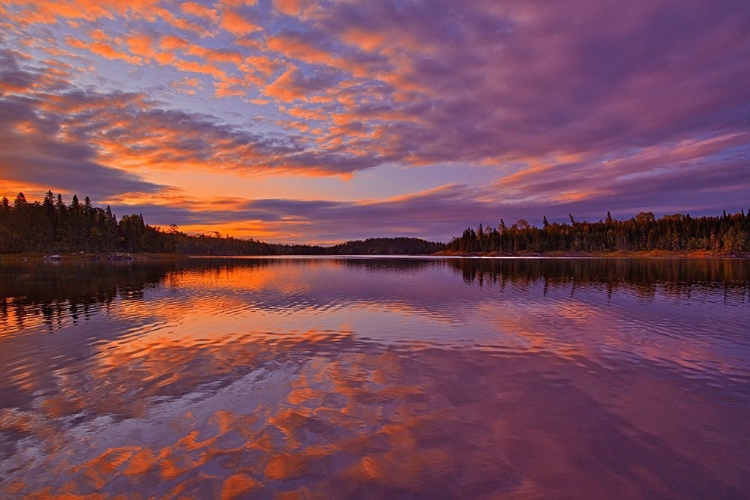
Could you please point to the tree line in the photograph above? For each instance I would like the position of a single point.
(386, 246)
(644, 232)
(53, 226)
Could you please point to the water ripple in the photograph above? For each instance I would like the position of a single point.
(368, 378)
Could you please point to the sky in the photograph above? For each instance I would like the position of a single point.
(319, 122)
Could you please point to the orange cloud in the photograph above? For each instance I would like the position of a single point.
(92, 10)
(98, 35)
(185, 25)
(248, 228)
(104, 50)
(282, 88)
(291, 125)
(230, 87)
(141, 45)
(214, 55)
(196, 67)
(186, 85)
(288, 7)
(48, 12)
(237, 24)
(306, 114)
(364, 40)
(262, 64)
(237, 3)
(170, 42)
(198, 10)
(57, 72)
(297, 49)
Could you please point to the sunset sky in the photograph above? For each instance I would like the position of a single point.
(300, 121)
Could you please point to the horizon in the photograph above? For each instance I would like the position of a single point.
(521, 222)
(290, 121)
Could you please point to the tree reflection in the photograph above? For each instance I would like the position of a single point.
(50, 293)
(676, 277)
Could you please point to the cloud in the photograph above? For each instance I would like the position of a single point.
(575, 106)
(186, 85)
(294, 84)
(12, 77)
(32, 155)
(104, 49)
(171, 42)
(237, 24)
(539, 85)
(198, 10)
(289, 7)
(437, 214)
(219, 56)
(433, 214)
(129, 131)
(200, 68)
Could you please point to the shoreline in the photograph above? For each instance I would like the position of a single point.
(124, 257)
(620, 254)
(92, 257)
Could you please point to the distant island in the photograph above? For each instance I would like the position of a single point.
(54, 227)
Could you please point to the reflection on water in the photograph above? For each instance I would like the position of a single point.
(376, 378)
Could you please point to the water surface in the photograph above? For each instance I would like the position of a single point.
(376, 378)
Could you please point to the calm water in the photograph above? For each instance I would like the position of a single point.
(376, 378)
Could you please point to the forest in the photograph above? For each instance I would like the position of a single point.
(728, 233)
(53, 227)
(386, 246)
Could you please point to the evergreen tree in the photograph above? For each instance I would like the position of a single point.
(676, 232)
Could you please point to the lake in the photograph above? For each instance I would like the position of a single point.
(376, 378)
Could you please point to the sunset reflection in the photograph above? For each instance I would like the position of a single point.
(337, 379)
